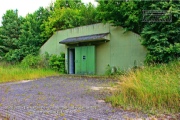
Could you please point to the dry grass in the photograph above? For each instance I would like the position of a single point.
(152, 89)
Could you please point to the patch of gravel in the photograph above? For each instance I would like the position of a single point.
(58, 98)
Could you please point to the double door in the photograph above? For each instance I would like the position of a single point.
(85, 60)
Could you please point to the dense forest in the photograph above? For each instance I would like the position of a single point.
(21, 36)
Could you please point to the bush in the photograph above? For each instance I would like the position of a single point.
(32, 61)
(57, 62)
(13, 56)
(53, 62)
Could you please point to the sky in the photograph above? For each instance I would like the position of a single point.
(26, 6)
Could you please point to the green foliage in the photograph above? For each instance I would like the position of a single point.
(18, 54)
(10, 31)
(61, 17)
(13, 73)
(13, 56)
(161, 39)
(20, 36)
(154, 89)
(57, 63)
(113, 71)
(46, 56)
(31, 61)
(69, 14)
(29, 39)
(108, 70)
(121, 13)
(53, 62)
(88, 13)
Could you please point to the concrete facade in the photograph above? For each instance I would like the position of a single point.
(123, 50)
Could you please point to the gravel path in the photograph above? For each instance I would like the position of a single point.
(59, 98)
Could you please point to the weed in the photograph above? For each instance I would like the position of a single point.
(40, 93)
(7, 89)
(12, 73)
(62, 114)
(29, 113)
(113, 71)
(152, 89)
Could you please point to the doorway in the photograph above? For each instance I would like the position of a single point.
(71, 56)
(81, 60)
(85, 60)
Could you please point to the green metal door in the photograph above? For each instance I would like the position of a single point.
(85, 60)
(90, 60)
(77, 60)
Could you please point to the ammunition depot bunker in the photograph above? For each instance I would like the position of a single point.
(90, 49)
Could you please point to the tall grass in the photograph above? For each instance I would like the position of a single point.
(152, 89)
(12, 73)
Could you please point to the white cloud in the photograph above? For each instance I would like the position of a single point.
(26, 6)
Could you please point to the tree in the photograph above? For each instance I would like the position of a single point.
(64, 14)
(10, 31)
(69, 14)
(121, 13)
(30, 38)
(160, 38)
(89, 13)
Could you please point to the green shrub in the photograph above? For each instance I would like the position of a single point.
(13, 56)
(32, 61)
(46, 56)
(57, 62)
(108, 70)
(45, 60)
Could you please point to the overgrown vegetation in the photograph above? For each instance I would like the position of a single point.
(31, 61)
(113, 71)
(152, 89)
(162, 39)
(21, 36)
(13, 73)
(69, 14)
(57, 63)
(33, 67)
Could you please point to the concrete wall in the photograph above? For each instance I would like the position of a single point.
(125, 49)
(102, 57)
(52, 45)
(121, 51)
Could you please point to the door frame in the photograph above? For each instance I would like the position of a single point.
(71, 61)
